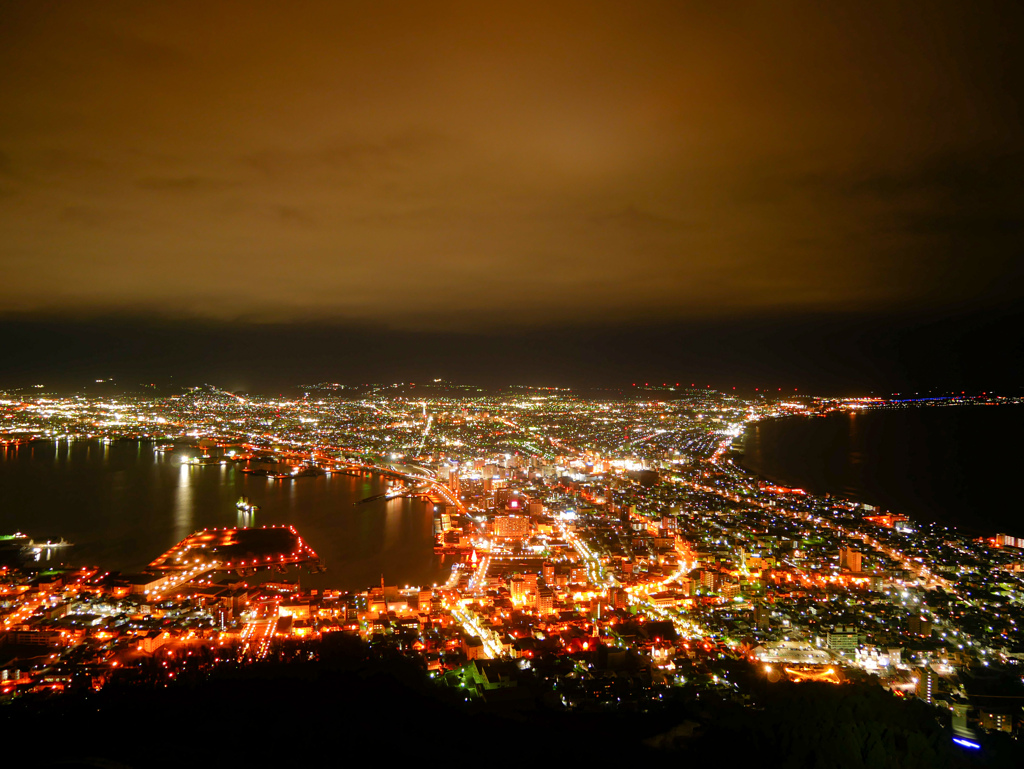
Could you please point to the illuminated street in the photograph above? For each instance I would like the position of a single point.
(567, 525)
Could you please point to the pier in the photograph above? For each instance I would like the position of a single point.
(243, 551)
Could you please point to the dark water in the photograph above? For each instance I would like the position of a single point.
(122, 504)
(956, 465)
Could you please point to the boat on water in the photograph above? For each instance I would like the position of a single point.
(245, 506)
(396, 491)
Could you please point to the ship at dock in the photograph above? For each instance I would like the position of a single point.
(19, 549)
(281, 471)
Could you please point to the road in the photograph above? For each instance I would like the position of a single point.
(259, 630)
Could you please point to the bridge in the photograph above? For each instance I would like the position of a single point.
(424, 491)
(424, 485)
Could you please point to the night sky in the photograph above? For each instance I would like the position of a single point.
(819, 195)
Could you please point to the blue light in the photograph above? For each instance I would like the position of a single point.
(966, 743)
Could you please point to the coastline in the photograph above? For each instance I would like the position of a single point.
(91, 503)
(893, 458)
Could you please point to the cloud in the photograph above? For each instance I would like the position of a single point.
(178, 184)
(471, 165)
(295, 216)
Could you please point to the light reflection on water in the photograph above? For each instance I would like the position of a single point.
(123, 504)
(183, 504)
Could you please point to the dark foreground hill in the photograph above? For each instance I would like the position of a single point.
(353, 706)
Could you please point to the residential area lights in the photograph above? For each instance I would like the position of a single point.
(616, 532)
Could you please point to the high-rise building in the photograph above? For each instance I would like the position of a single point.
(517, 588)
(545, 600)
(927, 684)
(618, 598)
(849, 559)
(711, 579)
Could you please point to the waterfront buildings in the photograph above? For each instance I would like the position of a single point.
(607, 544)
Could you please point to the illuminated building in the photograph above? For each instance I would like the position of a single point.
(618, 598)
(730, 589)
(842, 640)
(927, 683)
(761, 616)
(996, 719)
(473, 647)
(517, 589)
(1005, 540)
(850, 560)
(512, 527)
(888, 521)
(545, 600)
(711, 580)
